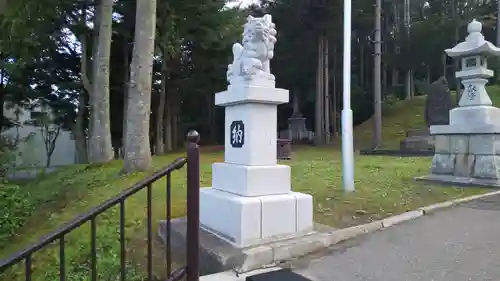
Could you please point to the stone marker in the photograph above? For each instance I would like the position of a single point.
(250, 213)
(297, 130)
(438, 104)
(467, 151)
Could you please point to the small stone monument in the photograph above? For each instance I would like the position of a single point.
(297, 124)
(438, 103)
(297, 127)
(467, 151)
(437, 106)
(251, 202)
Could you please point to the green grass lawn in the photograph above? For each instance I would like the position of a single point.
(384, 186)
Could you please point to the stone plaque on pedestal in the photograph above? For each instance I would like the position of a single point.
(237, 135)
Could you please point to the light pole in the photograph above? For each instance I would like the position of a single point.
(347, 132)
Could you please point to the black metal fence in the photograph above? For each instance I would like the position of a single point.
(190, 271)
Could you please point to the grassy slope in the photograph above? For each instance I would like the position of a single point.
(400, 118)
(86, 187)
(384, 186)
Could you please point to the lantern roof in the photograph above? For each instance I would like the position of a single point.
(474, 43)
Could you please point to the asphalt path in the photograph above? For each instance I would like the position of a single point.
(457, 244)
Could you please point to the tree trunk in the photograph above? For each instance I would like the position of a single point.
(319, 95)
(175, 110)
(129, 17)
(395, 70)
(2, 95)
(456, 62)
(385, 78)
(443, 59)
(94, 65)
(326, 81)
(377, 83)
(498, 23)
(137, 144)
(408, 82)
(79, 130)
(212, 135)
(175, 125)
(167, 117)
(167, 132)
(409, 72)
(100, 148)
(362, 65)
(395, 77)
(159, 141)
(334, 98)
(443, 55)
(126, 65)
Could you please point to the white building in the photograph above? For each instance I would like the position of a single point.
(32, 153)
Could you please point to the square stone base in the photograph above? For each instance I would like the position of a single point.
(466, 159)
(417, 143)
(481, 114)
(251, 180)
(217, 255)
(459, 181)
(245, 221)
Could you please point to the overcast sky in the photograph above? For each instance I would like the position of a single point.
(247, 2)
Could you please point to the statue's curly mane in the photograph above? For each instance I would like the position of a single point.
(259, 30)
(251, 57)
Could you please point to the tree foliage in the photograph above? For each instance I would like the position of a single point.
(47, 51)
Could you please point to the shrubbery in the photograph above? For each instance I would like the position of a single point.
(14, 209)
(14, 204)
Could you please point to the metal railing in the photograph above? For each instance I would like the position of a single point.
(190, 271)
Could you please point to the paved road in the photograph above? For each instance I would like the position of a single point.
(458, 244)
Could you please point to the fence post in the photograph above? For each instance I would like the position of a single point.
(193, 207)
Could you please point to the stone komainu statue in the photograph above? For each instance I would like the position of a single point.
(252, 56)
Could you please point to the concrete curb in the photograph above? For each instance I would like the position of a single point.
(231, 275)
(354, 231)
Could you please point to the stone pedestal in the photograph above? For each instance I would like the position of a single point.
(251, 199)
(417, 141)
(467, 158)
(468, 150)
(250, 217)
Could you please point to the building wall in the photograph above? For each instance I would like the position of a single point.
(33, 153)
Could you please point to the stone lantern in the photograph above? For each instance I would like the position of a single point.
(467, 151)
(474, 74)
